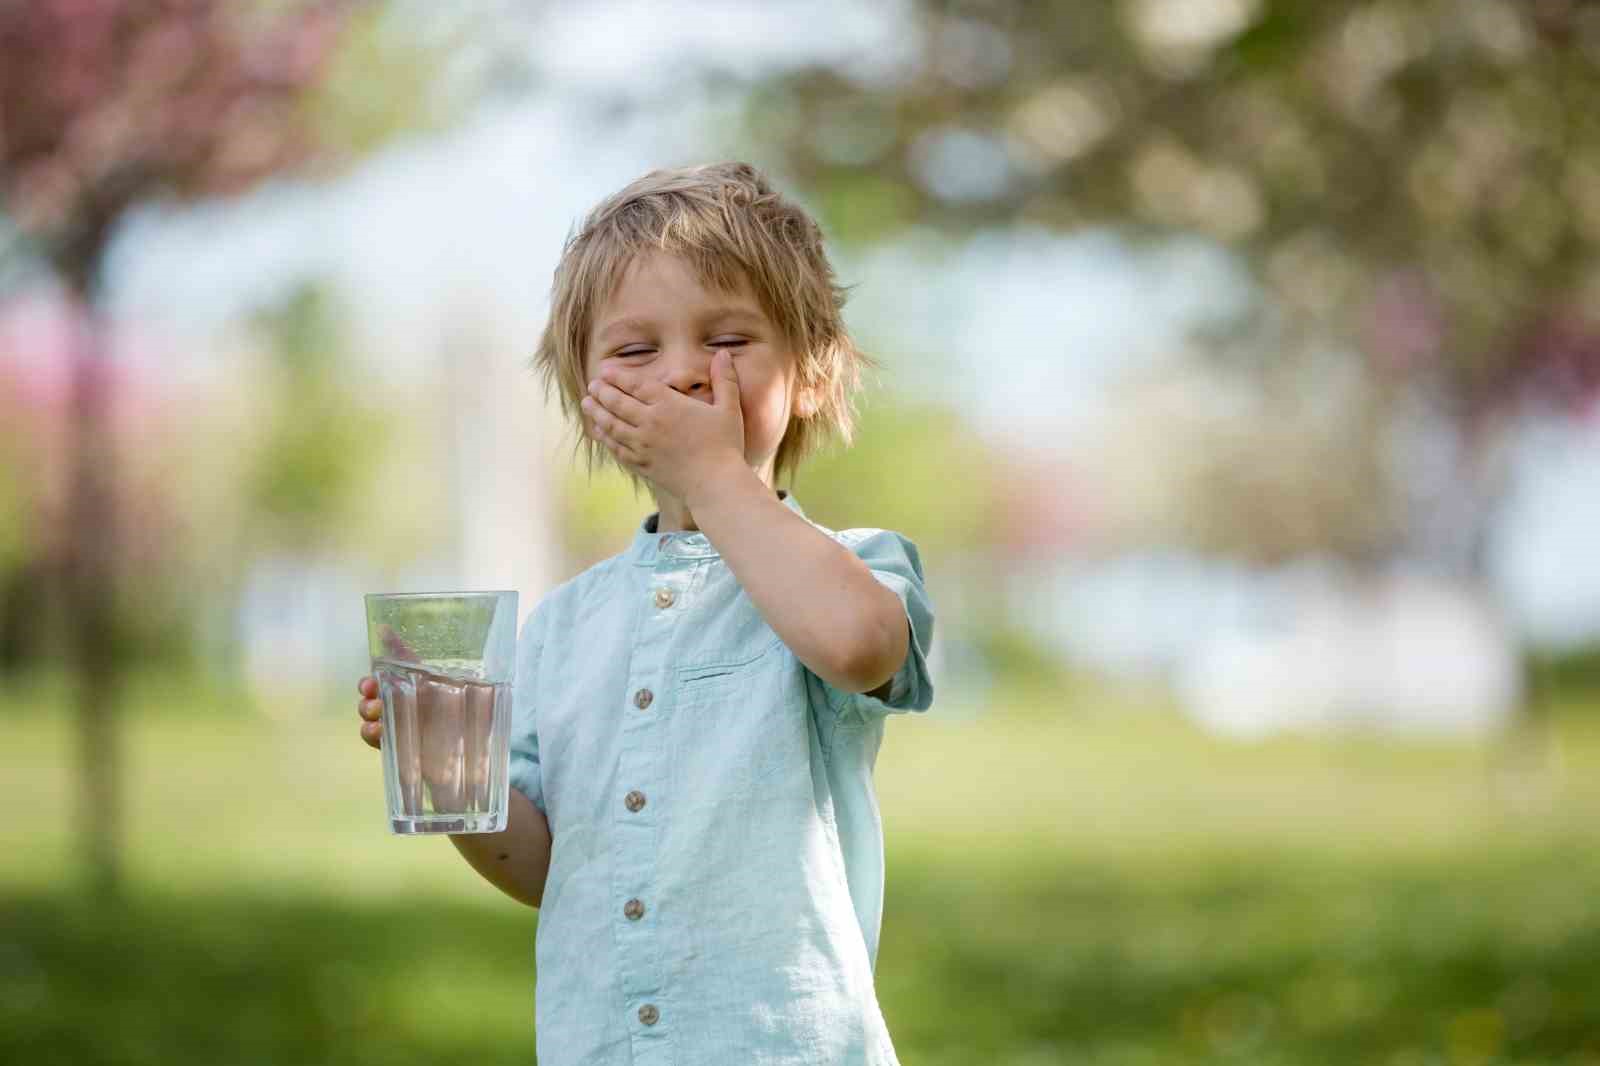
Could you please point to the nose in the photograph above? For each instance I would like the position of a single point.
(690, 373)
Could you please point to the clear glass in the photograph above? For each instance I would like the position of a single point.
(445, 664)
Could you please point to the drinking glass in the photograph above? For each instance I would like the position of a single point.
(445, 664)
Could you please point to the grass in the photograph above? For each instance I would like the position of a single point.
(1064, 886)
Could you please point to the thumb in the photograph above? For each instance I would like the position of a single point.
(725, 381)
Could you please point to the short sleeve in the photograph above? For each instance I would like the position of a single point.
(526, 775)
(896, 564)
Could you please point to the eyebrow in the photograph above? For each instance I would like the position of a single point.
(715, 314)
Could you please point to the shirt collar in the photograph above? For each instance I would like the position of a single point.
(683, 544)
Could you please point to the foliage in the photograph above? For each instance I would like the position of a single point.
(321, 439)
(1415, 183)
(1430, 163)
(103, 105)
(1562, 673)
(920, 470)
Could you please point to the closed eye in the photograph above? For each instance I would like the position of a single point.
(726, 342)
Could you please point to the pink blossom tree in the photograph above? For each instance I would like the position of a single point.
(106, 104)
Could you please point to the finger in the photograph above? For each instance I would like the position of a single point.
(592, 427)
(593, 415)
(612, 427)
(606, 418)
(370, 710)
(368, 687)
(724, 380)
(618, 403)
(642, 389)
(622, 452)
(372, 733)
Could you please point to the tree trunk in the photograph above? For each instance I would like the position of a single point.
(91, 624)
(1527, 751)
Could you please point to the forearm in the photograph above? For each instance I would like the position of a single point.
(820, 599)
(517, 859)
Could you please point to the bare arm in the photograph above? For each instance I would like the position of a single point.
(813, 591)
(516, 860)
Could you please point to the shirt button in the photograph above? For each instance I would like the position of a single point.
(642, 698)
(633, 910)
(648, 1014)
(664, 598)
(634, 801)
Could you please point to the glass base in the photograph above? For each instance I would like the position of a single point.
(448, 823)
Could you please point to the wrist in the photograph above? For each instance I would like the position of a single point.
(729, 479)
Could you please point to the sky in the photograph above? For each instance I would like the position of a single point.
(1026, 334)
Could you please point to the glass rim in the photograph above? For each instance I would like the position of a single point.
(462, 594)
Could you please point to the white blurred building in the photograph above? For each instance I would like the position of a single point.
(1404, 653)
(1308, 647)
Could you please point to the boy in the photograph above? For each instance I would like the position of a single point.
(697, 718)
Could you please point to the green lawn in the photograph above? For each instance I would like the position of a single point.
(1064, 886)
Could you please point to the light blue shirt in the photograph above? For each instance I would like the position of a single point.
(716, 874)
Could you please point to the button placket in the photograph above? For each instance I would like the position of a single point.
(635, 849)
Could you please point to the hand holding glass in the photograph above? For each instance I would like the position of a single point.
(445, 663)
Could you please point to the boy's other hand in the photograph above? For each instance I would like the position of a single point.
(370, 708)
(677, 442)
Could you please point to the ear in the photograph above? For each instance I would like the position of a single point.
(805, 403)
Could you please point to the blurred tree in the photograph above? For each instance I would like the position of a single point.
(1416, 184)
(1433, 165)
(921, 470)
(303, 475)
(106, 105)
(1266, 464)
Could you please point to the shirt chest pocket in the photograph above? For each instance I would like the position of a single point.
(735, 722)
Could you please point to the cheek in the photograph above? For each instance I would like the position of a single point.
(763, 407)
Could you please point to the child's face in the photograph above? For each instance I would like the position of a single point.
(663, 323)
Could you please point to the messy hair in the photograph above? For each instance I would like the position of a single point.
(730, 226)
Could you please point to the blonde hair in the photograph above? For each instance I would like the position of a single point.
(729, 225)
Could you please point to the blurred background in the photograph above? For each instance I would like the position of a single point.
(1241, 388)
